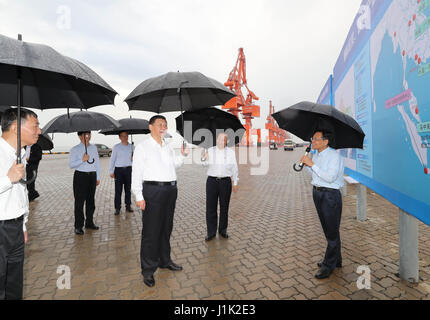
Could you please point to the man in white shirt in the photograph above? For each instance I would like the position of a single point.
(154, 185)
(14, 200)
(120, 169)
(327, 168)
(222, 170)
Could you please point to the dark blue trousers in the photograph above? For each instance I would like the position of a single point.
(329, 207)
(122, 179)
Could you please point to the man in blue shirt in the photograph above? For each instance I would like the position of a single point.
(326, 168)
(120, 169)
(85, 181)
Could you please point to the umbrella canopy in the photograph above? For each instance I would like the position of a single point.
(161, 94)
(37, 76)
(130, 125)
(214, 121)
(45, 142)
(48, 79)
(304, 118)
(80, 121)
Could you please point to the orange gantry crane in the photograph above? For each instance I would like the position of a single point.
(236, 80)
(276, 134)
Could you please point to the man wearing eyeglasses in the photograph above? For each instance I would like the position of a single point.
(327, 168)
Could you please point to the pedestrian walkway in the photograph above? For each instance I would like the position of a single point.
(274, 245)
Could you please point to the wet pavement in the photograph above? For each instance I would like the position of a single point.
(275, 242)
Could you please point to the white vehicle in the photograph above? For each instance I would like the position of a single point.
(289, 145)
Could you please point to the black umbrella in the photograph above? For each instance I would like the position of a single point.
(81, 121)
(37, 76)
(304, 118)
(3, 109)
(178, 91)
(213, 120)
(130, 125)
(45, 142)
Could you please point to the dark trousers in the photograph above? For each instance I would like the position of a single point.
(30, 168)
(217, 189)
(157, 225)
(84, 189)
(329, 208)
(11, 259)
(122, 179)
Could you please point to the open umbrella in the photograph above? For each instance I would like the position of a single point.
(45, 142)
(130, 125)
(304, 118)
(178, 91)
(214, 121)
(37, 76)
(80, 121)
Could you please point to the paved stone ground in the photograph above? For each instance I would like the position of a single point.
(274, 245)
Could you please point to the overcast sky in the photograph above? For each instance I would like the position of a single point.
(290, 46)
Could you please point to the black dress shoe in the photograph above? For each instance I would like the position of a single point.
(79, 231)
(128, 209)
(149, 281)
(92, 227)
(224, 235)
(172, 266)
(338, 265)
(209, 238)
(116, 212)
(323, 273)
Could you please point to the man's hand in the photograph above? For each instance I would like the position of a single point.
(86, 157)
(97, 183)
(112, 175)
(184, 151)
(141, 204)
(307, 161)
(25, 236)
(16, 172)
(235, 188)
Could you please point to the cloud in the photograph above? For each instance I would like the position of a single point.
(290, 46)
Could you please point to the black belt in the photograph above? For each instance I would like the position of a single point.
(160, 183)
(88, 173)
(129, 167)
(218, 178)
(325, 189)
(13, 220)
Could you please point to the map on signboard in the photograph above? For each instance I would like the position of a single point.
(400, 76)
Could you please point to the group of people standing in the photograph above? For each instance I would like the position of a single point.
(149, 171)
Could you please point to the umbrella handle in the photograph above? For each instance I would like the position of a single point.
(90, 162)
(299, 167)
(31, 180)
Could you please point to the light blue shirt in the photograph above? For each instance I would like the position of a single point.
(75, 159)
(327, 170)
(121, 156)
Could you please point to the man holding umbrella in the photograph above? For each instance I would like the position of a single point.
(85, 180)
(120, 170)
(327, 169)
(14, 201)
(154, 185)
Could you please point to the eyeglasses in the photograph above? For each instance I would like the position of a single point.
(317, 139)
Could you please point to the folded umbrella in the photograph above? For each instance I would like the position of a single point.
(212, 121)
